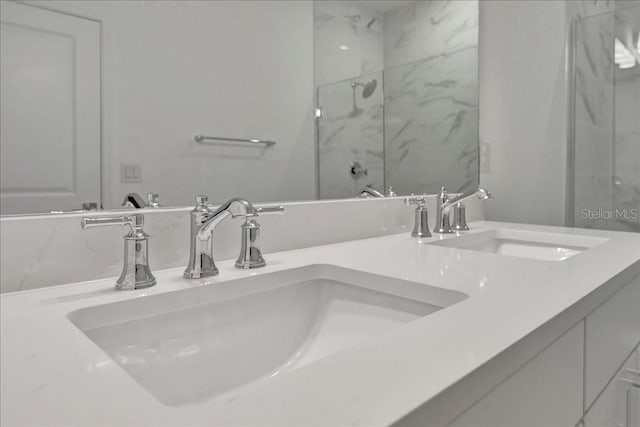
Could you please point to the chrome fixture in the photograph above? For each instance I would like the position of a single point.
(203, 222)
(460, 217)
(367, 90)
(421, 225)
(202, 139)
(390, 192)
(135, 269)
(356, 170)
(135, 200)
(444, 204)
(153, 200)
(369, 191)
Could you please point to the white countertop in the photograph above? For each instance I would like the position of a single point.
(53, 374)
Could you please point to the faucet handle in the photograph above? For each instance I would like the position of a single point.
(135, 222)
(250, 252)
(136, 273)
(444, 195)
(415, 200)
(459, 217)
(153, 200)
(421, 225)
(266, 210)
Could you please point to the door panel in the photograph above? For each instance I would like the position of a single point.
(50, 110)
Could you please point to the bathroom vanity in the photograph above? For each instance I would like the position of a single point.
(501, 325)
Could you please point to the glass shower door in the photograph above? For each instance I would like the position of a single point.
(604, 134)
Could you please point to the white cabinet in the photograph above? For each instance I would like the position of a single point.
(547, 391)
(619, 403)
(612, 332)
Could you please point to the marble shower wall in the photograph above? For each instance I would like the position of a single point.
(347, 40)
(350, 130)
(424, 29)
(424, 132)
(606, 167)
(431, 97)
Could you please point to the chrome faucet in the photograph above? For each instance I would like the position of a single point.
(136, 273)
(135, 200)
(444, 204)
(203, 222)
(421, 225)
(369, 191)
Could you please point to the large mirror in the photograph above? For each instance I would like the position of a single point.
(292, 100)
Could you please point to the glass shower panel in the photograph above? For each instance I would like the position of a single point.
(350, 130)
(626, 126)
(604, 160)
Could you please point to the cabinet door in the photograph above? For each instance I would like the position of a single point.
(547, 391)
(612, 332)
(633, 406)
(618, 405)
(633, 395)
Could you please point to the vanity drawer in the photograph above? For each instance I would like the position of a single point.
(619, 403)
(612, 331)
(547, 391)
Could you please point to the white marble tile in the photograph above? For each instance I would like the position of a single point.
(430, 88)
(347, 40)
(431, 128)
(428, 28)
(350, 130)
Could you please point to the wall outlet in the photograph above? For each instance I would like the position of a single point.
(130, 172)
(485, 158)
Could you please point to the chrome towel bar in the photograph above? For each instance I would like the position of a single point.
(199, 138)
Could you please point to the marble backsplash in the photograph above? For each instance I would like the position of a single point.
(50, 250)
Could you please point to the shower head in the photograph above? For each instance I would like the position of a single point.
(367, 88)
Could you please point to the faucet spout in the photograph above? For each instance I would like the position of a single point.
(369, 191)
(444, 204)
(480, 193)
(203, 222)
(233, 207)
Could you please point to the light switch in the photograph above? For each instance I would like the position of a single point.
(130, 172)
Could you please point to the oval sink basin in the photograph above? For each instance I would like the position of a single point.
(524, 244)
(188, 346)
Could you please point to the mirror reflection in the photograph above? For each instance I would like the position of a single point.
(104, 102)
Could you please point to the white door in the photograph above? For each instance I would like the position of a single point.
(50, 110)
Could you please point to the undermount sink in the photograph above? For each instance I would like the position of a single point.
(188, 346)
(524, 244)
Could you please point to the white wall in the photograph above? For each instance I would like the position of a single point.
(175, 68)
(523, 113)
